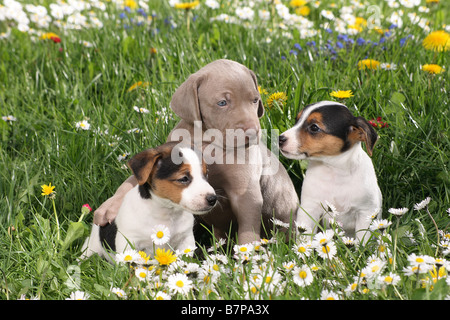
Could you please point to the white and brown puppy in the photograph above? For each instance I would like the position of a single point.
(339, 171)
(171, 188)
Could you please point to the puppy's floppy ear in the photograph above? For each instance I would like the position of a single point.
(142, 164)
(260, 105)
(185, 99)
(363, 131)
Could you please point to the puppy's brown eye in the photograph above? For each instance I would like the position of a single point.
(222, 103)
(314, 128)
(256, 100)
(184, 180)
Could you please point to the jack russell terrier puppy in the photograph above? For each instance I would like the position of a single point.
(171, 188)
(339, 172)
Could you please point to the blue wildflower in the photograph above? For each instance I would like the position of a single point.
(360, 41)
(343, 37)
(339, 45)
(298, 47)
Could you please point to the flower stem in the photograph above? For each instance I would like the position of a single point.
(57, 221)
(437, 231)
(395, 244)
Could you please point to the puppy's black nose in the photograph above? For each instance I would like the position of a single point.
(281, 140)
(211, 199)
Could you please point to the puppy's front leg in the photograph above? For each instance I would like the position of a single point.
(247, 208)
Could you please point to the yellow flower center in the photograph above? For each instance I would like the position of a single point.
(179, 284)
(302, 274)
(159, 234)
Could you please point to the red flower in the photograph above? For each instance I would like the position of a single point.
(378, 123)
(86, 208)
(55, 39)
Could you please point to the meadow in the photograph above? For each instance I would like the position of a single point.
(86, 84)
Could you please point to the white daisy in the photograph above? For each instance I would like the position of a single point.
(388, 66)
(78, 295)
(119, 292)
(188, 252)
(327, 14)
(389, 279)
(303, 276)
(160, 234)
(374, 268)
(302, 249)
(243, 249)
(288, 266)
(322, 238)
(328, 295)
(348, 241)
(213, 4)
(398, 211)
(9, 118)
(160, 295)
(128, 256)
(179, 283)
(84, 125)
(141, 274)
(379, 224)
(417, 260)
(327, 250)
(141, 110)
(422, 204)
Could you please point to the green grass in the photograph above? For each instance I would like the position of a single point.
(50, 86)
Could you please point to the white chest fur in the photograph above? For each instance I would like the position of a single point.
(348, 182)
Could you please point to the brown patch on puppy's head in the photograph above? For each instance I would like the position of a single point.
(316, 139)
(156, 171)
(326, 129)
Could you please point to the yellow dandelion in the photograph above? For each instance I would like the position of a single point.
(432, 68)
(138, 84)
(187, 5)
(368, 64)
(437, 41)
(342, 94)
(303, 11)
(278, 97)
(47, 189)
(165, 257)
(297, 3)
(360, 21)
(48, 35)
(130, 4)
(262, 90)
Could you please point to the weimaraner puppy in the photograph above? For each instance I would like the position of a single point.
(223, 97)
